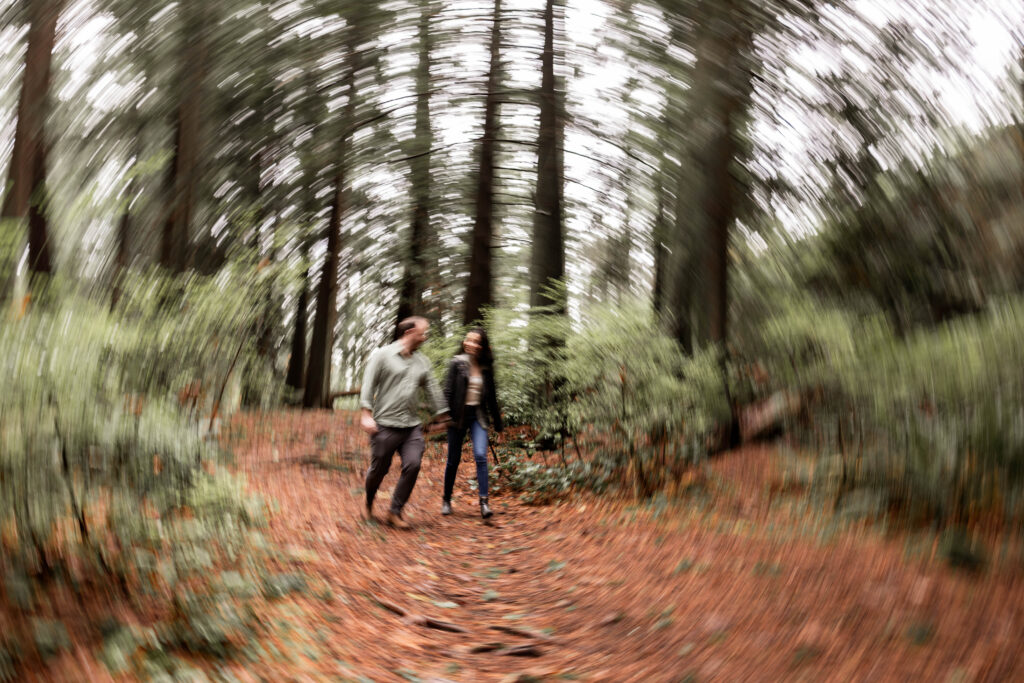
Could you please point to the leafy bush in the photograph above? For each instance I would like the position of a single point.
(103, 470)
(198, 332)
(941, 415)
(648, 408)
(935, 421)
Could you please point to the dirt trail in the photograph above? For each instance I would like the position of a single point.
(734, 582)
(744, 586)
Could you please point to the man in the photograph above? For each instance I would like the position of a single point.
(389, 400)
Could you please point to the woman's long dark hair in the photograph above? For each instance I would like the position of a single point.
(484, 358)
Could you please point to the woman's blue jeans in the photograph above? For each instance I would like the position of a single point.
(478, 435)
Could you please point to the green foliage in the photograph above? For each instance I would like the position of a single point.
(615, 382)
(199, 329)
(650, 408)
(538, 483)
(100, 462)
(941, 415)
(934, 421)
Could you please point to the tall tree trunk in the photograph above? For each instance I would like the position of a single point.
(417, 260)
(295, 377)
(723, 85)
(124, 226)
(480, 288)
(27, 173)
(182, 179)
(679, 276)
(548, 256)
(321, 346)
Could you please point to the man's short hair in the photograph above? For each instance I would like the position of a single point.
(407, 324)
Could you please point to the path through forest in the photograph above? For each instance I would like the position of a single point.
(740, 582)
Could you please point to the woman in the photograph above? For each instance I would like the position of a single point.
(472, 406)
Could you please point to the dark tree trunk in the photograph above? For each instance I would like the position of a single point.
(679, 276)
(124, 227)
(295, 377)
(318, 376)
(548, 257)
(480, 288)
(417, 261)
(38, 227)
(321, 345)
(27, 174)
(659, 248)
(723, 85)
(182, 179)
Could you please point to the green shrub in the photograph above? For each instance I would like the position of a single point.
(650, 409)
(99, 461)
(935, 421)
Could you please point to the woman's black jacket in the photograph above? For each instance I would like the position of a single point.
(455, 385)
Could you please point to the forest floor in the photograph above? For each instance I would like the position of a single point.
(742, 578)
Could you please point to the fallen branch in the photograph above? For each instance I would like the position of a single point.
(530, 650)
(390, 606)
(317, 461)
(444, 625)
(419, 619)
(523, 632)
(485, 647)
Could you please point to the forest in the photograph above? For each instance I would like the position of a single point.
(751, 273)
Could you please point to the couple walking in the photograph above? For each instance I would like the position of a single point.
(389, 399)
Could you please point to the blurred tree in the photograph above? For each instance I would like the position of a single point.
(417, 259)
(479, 290)
(548, 255)
(722, 89)
(26, 196)
(359, 54)
(183, 174)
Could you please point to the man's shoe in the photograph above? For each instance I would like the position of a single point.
(368, 513)
(485, 509)
(397, 521)
(446, 507)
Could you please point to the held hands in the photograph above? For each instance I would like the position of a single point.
(439, 423)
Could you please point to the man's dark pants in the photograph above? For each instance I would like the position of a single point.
(409, 443)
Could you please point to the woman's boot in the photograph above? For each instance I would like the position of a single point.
(485, 509)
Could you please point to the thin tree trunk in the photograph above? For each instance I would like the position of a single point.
(480, 289)
(548, 257)
(121, 250)
(27, 172)
(417, 261)
(124, 225)
(321, 346)
(297, 360)
(182, 180)
(659, 249)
